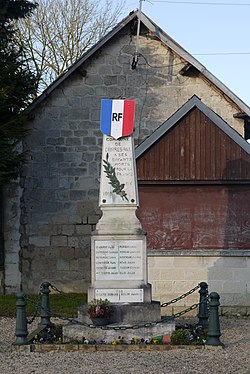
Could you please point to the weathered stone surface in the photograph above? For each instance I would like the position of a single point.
(76, 332)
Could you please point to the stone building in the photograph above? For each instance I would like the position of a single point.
(50, 213)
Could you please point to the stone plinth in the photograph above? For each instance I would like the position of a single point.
(119, 220)
(78, 332)
(128, 313)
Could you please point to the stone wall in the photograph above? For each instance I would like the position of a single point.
(60, 181)
(12, 275)
(172, 276)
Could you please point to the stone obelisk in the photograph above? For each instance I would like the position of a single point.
(119, 270)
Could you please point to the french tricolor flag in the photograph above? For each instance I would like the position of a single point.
(117, 117)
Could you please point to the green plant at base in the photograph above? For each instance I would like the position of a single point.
(49, 335)
(180, 337)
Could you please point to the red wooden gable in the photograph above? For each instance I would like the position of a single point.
(195, 149)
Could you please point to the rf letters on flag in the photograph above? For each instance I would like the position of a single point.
(117, 117)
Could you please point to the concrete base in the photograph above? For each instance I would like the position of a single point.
(81, 333)
(125, 315)
(129, 313)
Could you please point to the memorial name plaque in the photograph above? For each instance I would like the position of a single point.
(118, 260)
(118, 155)
(120, 295)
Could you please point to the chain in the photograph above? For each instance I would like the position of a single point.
(192, 307)
(55, 288)
(122, 327)
(180, 297)
(37, 305)
(162, 305)
(127, 327)
(65, 295)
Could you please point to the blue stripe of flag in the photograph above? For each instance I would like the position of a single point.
(106, 112)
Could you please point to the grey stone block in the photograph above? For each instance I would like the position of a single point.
(115, 91)
(104, 69)
(51, 207)
(62, 194)
(73, 141)
(74, 102)
(66, 133)
(40, 241)
(53, 133)
(39, 157)
(49, 149)
(94, 79)
(83, 148)
(67, 253)
(92, 220)
(85, 125)
(90, 140)
(101, 91)
(74, 265)
(74, 171)
(77, 195)
(83, 91)
(83, 229)
(52, 112)
(62, 265)
(93, 193)
(66, 182)
(39, 217)
(110, 80)
(51, 182)
(69, 216)
(36, 139)
(88, 157)
(81, 133)
(59, 240)
(116, 69)
(72, 157)
(55, 141)
(67, 229)
(55, 157)
(40, 170)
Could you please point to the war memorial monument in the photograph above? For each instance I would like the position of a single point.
(119, 270)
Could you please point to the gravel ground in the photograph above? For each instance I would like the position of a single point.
(235, 358)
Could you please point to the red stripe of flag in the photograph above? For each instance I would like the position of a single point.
(128, 117)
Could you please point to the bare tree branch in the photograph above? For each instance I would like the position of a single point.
(60, 31)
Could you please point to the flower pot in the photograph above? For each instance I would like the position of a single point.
(100, 321)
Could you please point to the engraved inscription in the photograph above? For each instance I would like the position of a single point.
(118, 260)
(120, 295)
(121, 158)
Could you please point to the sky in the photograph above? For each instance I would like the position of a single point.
(215, 32)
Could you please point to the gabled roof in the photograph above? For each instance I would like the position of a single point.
(166, 39)
(179, 114)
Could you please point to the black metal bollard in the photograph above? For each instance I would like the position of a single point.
(21, 331)
(213, 334)
(203, 309)
(45, 309)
